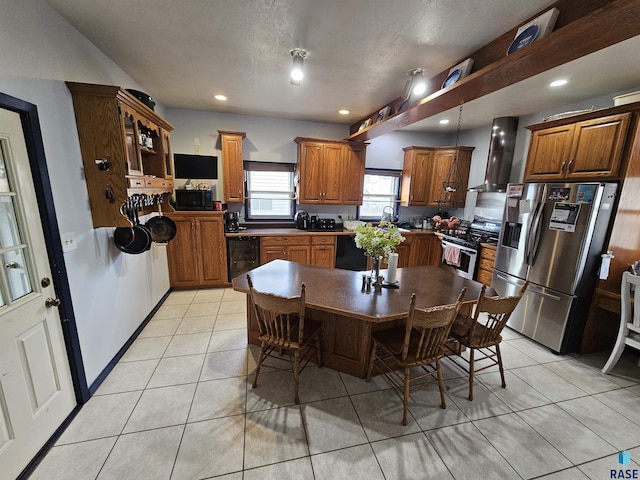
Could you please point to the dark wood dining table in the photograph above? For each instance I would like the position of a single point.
(350, 313)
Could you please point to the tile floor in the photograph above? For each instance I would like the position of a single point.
(179, 405)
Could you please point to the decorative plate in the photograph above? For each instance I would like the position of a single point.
(452, 78)
(526, 37)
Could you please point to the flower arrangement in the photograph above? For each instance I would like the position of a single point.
(378, 241)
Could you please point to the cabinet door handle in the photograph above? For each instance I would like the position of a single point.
(562, 166)
(569, 165)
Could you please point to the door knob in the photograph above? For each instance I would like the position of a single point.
(52, 302)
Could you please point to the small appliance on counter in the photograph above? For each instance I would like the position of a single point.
(326, 224)
(302, 220)
(231, 222)
(194, 199)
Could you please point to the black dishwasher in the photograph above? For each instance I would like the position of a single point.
(348, 256)
(243, 254)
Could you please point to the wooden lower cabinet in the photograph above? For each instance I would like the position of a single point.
(295, 248)
(323, 251)
(404, 251)
(198, 253)
(485, 264)
(426, 250)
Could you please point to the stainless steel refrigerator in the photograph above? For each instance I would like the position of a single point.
(553, 235)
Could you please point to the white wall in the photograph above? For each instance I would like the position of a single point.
(112, 292)
(267, 140)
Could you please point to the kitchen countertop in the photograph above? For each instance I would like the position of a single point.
(273, 232)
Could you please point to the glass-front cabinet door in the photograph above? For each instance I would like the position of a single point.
(167, 154)
(132, 138)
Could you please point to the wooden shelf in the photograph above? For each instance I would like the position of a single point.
(582, 28)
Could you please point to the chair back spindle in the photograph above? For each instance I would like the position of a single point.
(281, 319)
(431, 327)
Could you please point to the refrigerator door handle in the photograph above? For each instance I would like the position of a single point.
(544, 294)
(508, 280)
(537, 235)
(533, 239)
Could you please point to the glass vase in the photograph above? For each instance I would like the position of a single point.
(375, 269)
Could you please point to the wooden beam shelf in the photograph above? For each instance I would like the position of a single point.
(583, 27)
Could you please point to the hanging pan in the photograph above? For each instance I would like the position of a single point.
(162, 228)
(136, 238)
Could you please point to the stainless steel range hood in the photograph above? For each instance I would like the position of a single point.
(503, 142)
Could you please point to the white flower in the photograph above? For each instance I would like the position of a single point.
(378, 241)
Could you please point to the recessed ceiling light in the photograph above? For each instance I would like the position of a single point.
(444, 121)
(344, 111)
(559, 83)
(222, 98)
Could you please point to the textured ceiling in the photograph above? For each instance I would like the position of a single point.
(359, 51)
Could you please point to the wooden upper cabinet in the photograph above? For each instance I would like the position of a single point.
(441, 166)
(597, 147)
(415, 174)
(311, 182)
(353, 175)
(331, 169)
(549, 150)
(232, 166)
(330, 172)
(588, 150)
(425, 168)
(123, 144)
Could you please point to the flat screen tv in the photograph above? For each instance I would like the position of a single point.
(195, 166)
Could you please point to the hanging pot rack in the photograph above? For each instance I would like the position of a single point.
(453, 180)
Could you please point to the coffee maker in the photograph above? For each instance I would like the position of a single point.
(231, 223)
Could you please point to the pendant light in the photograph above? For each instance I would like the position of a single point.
(453, 180)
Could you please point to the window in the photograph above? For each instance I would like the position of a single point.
(269, 191)
(381, 189)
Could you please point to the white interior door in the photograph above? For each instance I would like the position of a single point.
(36, 390)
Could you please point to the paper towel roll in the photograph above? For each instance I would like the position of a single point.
(393, 266)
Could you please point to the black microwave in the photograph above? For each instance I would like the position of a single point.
(194, 200)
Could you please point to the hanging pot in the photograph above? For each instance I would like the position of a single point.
(162, 228)
(134, 239)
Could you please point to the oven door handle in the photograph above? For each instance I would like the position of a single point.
(467, 250)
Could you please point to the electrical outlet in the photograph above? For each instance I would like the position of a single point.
(68, 241)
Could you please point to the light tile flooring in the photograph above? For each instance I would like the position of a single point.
(179, 405)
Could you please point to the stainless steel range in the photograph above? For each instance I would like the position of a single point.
(460, 248)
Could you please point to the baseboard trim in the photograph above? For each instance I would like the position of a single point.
(107, 370)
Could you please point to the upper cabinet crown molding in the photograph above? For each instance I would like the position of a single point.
(603, 23)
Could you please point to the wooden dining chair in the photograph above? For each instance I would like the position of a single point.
(284, 329)
(418, 343)
(629, 332)
(481, 332)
